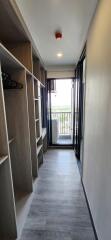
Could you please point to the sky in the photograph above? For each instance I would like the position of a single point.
(62, 96)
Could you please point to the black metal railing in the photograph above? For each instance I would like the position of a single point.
(64, 120)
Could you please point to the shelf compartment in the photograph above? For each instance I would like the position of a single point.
(3, 159)
(42, 76)
(18, 126)
(36, 67)
(22, 204)
(35, 89)
(23, 52)
(32, 124)
(36, 110)
(8, 60)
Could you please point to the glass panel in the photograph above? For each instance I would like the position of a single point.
(61, 113)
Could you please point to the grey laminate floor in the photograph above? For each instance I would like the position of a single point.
(58, 210)
(64, 140)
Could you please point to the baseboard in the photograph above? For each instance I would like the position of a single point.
(92, 221)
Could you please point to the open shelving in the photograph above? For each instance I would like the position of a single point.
(12, 60)
(39, 142)
(36, 110)
(23, 52)
(21, 143)
(17, 126)
(32, 124)
(36, 68)
(42, 76)
(7, 206)
(16, 123)
(34, 106)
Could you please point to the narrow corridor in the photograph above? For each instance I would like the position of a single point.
(59, 210)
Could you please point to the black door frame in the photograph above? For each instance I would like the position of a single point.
(49, 124)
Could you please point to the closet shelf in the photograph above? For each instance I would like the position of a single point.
(3, 158)
(36, 99)
(11, 140)
(36, 120)
(33, 76)
(37, 139)
(38, 149)
(38, 81)
(9, 61)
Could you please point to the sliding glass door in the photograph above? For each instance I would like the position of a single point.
(60, 115)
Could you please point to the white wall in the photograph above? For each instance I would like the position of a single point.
(97, 147)
(61, 72)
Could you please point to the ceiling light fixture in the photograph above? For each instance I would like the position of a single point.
(59, 55)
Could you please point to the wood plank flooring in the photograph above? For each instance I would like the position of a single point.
(58, 210)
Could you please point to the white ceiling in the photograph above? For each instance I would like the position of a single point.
(44, 17)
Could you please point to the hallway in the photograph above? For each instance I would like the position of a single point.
(58, 210)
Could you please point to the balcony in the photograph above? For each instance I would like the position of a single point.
(62, 127)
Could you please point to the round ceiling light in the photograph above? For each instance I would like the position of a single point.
(59, 55)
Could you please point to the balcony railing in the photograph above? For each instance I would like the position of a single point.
(64, 122)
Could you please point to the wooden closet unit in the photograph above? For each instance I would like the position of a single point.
(23, 52)
(21, 138)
